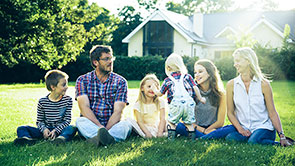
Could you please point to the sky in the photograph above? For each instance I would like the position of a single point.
(112, 5)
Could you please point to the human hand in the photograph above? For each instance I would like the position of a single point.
(203, 100)
(46, 133)
(154, 88)
(160, 134)
(284, 142)
(148, 135)
(52, 134)
(245, 133)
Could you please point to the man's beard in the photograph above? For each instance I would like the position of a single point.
(105, 72)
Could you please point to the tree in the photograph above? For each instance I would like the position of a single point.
(189, 7)
(129, 20)
(148, 5)
(48, 33)
(243, 40)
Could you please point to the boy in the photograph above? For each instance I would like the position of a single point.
(53, 113)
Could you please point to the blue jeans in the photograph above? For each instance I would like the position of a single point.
(34, 133)
(120, 131)
(219, 133)
(259, 136)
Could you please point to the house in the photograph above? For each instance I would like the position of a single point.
(206, 35)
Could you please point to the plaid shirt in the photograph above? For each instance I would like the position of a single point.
(189, 83)
(102, 96)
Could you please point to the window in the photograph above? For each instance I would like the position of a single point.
(157, 38)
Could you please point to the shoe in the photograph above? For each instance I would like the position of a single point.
(171, 133)
(104, 137)
(59, 140)
(191, 134)
(24, 141)
(94, 140)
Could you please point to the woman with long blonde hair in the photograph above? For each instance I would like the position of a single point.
(250, 103)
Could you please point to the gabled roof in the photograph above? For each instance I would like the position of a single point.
(217, 23)
(179, 22)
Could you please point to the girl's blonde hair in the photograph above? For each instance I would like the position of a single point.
(175, 63)
(248, 54)
(141, 97)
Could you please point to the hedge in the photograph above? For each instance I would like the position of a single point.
(278, 64)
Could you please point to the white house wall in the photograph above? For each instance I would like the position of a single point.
(265, 35)
(135, 44)
(181, 46)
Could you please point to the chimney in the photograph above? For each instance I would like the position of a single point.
(198, 24)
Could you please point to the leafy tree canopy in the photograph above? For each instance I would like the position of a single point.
(130, 19)
(189, 7)
(50, 33)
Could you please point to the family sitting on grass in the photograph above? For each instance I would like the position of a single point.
(197, 107)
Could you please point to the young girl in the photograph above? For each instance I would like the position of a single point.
(149, 109)
(181, 89)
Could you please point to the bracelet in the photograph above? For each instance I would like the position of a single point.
(281, 133)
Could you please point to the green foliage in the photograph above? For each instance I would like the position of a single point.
(148, 5)
(189, 62)
(276, 64)
(135, 68)
(189, 7)
(226, 68)
(243, 40)
(129, 20)
(49, 33)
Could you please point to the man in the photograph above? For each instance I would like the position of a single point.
(102, 95)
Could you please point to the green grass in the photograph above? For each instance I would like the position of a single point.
(18, 107)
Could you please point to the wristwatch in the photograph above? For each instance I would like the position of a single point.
(281, 133)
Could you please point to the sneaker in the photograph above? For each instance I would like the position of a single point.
(191, 134)
(104, 137)
(94, 140)
(171, 133)
(24, 141)
(59, 140)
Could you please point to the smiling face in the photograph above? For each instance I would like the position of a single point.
(241, 64)
(201, 74)
(147, 88)
(61, 87)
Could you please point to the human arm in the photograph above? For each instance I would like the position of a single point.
(41, 120)
(220, 115)
(156, 90)
(162, 123)
(141, 124)
(230, 110)
(198, 94)
(84, 106)
(272, 113)
(66, 115)
(116, 116)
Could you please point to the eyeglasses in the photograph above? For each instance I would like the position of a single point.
(108, 59)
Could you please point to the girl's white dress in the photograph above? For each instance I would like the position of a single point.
(150, 115)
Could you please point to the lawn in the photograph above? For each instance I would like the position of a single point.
(18, 107)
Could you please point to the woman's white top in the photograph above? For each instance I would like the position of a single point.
(250, 108)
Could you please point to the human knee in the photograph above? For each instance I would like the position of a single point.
(231, 137)
(125, 124)
(21, 128)
(80, 121)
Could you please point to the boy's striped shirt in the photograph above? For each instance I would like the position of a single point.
(55, 115)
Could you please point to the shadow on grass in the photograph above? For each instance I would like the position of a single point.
(139, 151)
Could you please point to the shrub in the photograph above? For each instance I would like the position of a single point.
(226, 68)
